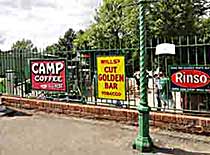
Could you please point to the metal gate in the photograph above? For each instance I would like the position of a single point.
(82, 77)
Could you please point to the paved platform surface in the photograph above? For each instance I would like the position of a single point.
(43, 134)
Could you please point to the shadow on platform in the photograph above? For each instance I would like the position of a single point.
(176, 151)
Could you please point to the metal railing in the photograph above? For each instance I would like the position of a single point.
(15, 76)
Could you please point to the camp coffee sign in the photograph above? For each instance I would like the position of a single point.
(111, 77)
(190, 78)
(48, 75)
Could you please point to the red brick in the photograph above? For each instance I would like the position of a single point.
(82, 110)
(124, 114)
(208, 123)
(151, 116)
(176, 122)
(168, 119)
(136, 117)
(97, 111)
(179, 120)
(129, 115)
(89, 109)
(203, 123)
(157, 117)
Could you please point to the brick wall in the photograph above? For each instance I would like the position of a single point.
(180, 122)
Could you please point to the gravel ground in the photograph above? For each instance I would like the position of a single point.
(49, 134)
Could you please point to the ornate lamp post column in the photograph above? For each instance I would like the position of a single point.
(143, 141)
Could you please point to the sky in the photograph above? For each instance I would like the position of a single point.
(43, 21)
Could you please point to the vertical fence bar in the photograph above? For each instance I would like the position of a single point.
(131, 87)
(81, 75)
(158, 67)
(180, 62)
(89, 78)
(180, 50)
(124, 53)
(188, 62)
(158, 42)
(196, 51)
(2, 59)
(204, 55)
(95, 78)
(152, 68)
(16, 66)
(188, 51)
(21, 71)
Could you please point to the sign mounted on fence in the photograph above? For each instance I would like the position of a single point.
(165, 48)
(111, 77)
(190, 78)
(48, 75)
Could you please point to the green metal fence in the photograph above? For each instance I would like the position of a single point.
(190, 50)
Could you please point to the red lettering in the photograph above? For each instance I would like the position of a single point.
(103, 61)
(111, 77)
(111, 93)
(110, 69)
(110, 85)
(114, 61)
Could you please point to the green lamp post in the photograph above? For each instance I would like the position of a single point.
(143, 141)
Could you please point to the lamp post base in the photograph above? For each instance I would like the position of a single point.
(143, 142)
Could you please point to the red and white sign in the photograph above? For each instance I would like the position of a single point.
(190, 78)
(49, 75)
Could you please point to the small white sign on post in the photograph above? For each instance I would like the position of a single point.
(165, 48)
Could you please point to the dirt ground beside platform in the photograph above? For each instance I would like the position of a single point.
(50, 134)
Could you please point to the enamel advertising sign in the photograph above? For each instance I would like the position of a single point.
(111, 77)
(190, 78)
(48, 75)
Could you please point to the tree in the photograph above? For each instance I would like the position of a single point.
(175, 18)
(163, 19)
(205, 29)
(81, 40)
(64, 44)
(24, 45)
(112, 20)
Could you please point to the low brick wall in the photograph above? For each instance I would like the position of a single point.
(180, 122)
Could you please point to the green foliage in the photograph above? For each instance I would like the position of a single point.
(115, 27)
(51, 49)
(175, 18)
(65, 43)
(24, 45)
(205, 29)
(163, 19)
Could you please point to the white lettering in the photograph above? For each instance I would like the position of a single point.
(179, 77)
(182, 78)
(50, 68)
(34, 65)
(196, 79)
(59, 67)
(42, 78)
(42, 68)
(36, 78)
(47, 68)
(203, 79)
(189, 79)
